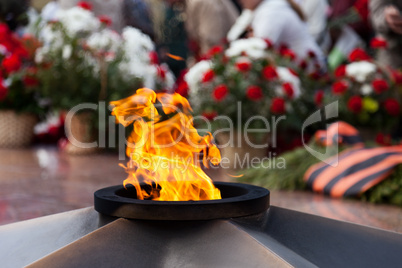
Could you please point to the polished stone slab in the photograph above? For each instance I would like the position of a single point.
(275, 238)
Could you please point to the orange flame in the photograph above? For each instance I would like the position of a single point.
(164, 148)
(175, 57)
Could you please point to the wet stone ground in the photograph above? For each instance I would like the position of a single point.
(41, 181)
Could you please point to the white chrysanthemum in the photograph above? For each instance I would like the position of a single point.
(287, 76)
(149, 76)
(40, 54)
(136, 48)
(51, 38)
(137, 44)
(360, 70)
(170, 79)
(77, 19)
(105, 40)
(366, 89)
(133, 67)
(253, 47)
(7, 82)
(67, 51)
(195, 74)
(90, 62)
(3, 50)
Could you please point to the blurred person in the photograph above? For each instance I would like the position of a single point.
(157, 12)
(173, 37)
(386, 16)
(49, 11)
(136, 13)
(13, 13)
(122, 13)
(209, 21)
(349, 28)
(111, 8)
(237, 5)
(316, 14)
(355, 14)
(283, 22)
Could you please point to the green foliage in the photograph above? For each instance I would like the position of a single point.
(21, 98)
(300, 160)
(289, 178)
(388, 191)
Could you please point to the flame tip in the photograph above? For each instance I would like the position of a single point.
(164, 146)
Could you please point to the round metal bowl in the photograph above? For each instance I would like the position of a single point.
(238, 200)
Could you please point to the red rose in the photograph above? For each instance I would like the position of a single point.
(269, 43)
(383, 139)
(269, 73)
(338, 88)
(30, 81)
(355, 104)
(153, 56)
(105, 20)
(215, 50)
(208, 76)
(21, 52)
(85, 5)
(254, 93)
(293, 72)
(243, 66)
(380, 85)
(318, 98)
(340, 71)
(288, 53)
(311, 54)
(210, 115)
(303, 64)
(182, 88)
(3, 91)
(315, 75)
(362, 8)
(278, 106)
(358, 54)
(161, 72)
(397, 76)
(11, 63)
(4, 32)
(220, 92)
(392, 107)
(378, 42)
(288, 89)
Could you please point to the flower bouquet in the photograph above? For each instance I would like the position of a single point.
(81, 60)
(366, 93)
(244, 83)
(244, 90)
(19, 100)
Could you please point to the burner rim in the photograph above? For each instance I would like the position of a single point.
(253, 200)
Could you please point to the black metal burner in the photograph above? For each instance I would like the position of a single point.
(238, 200)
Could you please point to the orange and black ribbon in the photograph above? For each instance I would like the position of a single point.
(358, 168)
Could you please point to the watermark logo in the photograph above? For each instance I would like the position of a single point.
(330, 111)
(237, 135)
